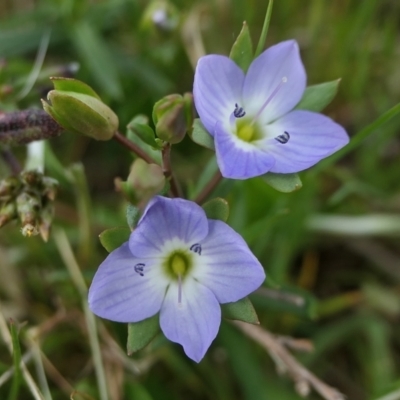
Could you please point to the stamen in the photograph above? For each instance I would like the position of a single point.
(196, 248)
(139, 268)
(179, 289)
(284, 138)
(272, 95)
(239, 112)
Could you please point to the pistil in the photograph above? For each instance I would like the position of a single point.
(272, 95)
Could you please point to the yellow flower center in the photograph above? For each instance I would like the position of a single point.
(178, 264)
(247, 131)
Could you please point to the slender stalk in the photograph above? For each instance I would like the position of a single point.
(68, 257)
(208, 189)
(263, 36)
(166, 160)
(5, 333)
(134, 148)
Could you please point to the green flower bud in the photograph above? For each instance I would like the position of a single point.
(144, 181)
(169, 116)
(78, 108)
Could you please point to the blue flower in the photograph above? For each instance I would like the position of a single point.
(251, 116)
(180, 264)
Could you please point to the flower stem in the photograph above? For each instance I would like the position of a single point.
(134, 148)
(208, 189)
(166, 161)
(263, 36)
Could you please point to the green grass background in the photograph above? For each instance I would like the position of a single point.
(335, 242)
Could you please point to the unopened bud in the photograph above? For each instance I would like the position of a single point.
(50, 187)
(170, 119)
(78, 108)
(144, 181)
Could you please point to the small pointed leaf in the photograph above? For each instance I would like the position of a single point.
(113, 238)
(200, 135)
(242, 49)
(73, 85)
(217, 208)
(241, 310)
(317, 97)
(132, 215)
(141, 333)
(285, 183)
(144, 131)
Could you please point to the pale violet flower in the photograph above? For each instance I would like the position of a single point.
(251, 115)
(180, 264)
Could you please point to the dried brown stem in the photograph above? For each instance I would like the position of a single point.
(303, 378)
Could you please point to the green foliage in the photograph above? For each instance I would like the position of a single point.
(241, 310)
(113, 238)
(242, 49)
(140, 334)
(200, 135)
(284, 183)
(217, 209)
(317, 97)
(345, 282)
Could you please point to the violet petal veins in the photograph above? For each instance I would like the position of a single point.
(251, 116)
(181, 264)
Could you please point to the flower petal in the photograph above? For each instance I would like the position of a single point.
(165, 220)
(121, 294)
(313, 137)
(265, 76)
(194, 322)
(217, 87)
(226, 265)
(238, 159)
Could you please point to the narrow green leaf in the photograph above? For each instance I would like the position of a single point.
(217, 208)
(317, 97)
(16, 382)
(357, 139)
(200, 135)
(285, 183)
(141, 333)
(241, 310)
(242, 49)
(264, 32)
(113, 238)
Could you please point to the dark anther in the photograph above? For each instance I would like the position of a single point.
(284, 138)
(139, 268)
(238, 112)
(196, 248)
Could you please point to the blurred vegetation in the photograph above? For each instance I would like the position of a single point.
(334, 243)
